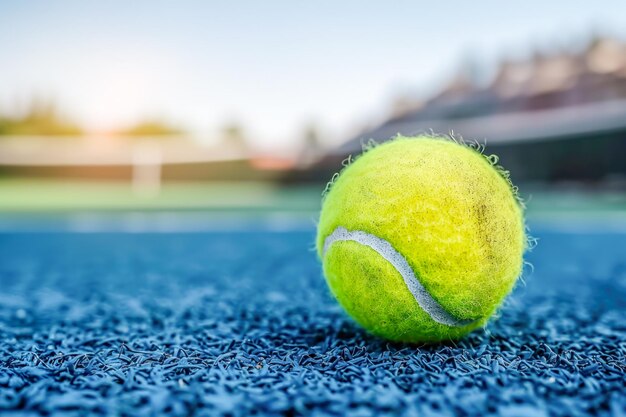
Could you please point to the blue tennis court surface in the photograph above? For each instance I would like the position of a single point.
(241, 323)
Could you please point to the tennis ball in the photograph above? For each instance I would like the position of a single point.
(421, 239)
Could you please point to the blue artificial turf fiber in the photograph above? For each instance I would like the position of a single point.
(242, 323)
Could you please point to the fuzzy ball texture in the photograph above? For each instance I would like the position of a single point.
(449, 211)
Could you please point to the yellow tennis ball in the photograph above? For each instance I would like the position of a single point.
(421, 239)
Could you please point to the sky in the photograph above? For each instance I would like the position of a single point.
(272, 66)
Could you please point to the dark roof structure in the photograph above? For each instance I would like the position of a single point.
(552, 117)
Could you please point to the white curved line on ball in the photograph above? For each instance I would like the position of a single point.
(384, 249)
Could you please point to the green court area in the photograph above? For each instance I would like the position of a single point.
(42, 196)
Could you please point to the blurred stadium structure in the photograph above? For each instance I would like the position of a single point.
(555, 117)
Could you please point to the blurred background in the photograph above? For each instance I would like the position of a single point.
(174, 115)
